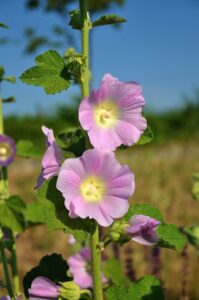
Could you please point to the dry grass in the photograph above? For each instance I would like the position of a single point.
(163, 178)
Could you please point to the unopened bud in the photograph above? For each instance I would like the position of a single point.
(71, 291)
(118, 232)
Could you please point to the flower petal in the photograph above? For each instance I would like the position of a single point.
(43, 287)
(128, 133)
(86, 114)
(109, 206)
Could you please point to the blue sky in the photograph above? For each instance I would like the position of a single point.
(158, 47)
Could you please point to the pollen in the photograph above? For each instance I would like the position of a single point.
(106, 114)
(93, 189)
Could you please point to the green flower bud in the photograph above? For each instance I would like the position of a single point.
(118, 232)
(71, 291)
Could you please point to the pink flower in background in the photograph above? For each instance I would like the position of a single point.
(80, 268)
(7, 150)
(142, 229)
(52, 158)
(44, 288)
(95, 185)
(112, 115)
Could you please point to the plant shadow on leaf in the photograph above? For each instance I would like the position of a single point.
(53, 267)
(73, 139)
(156, 293)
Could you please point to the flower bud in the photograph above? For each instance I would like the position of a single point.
(71, 291)
(118, 232)
(142, 229)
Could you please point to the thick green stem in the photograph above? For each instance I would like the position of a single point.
(15, 275)
(95, 249)
(85, 24)
(6, 272)
(96, 263)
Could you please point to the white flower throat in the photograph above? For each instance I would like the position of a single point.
(93, 189)
(106, 114)
(5, 151)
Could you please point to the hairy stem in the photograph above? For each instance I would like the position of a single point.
(6, 272)
(96, 263)
(95, 250)
(85, 25)
(15, 275)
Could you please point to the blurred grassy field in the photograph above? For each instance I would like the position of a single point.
(163, 177)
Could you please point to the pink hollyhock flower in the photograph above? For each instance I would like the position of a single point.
(95, 185)
(80, 269)
(44, 288)
(112, 115)
(142, 229)
(52, 158)
(7, 150)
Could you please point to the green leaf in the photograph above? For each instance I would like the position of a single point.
(192, 234)
(195, 189)
(108, 20)
(11, 212)
(112, 270)
(50, 73)
(11, 79)
(16, 204)
(75, 21)
(56, 215)
(170, 237)
(144, 209)
(148, 288)
(146, 137)
(3, 25)
(9, 100)
(34, 213)
(73, 139)
(26, 149)
(51, 266)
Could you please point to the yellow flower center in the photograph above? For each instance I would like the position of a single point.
(106, 114)
(5, 151)
(93, 189)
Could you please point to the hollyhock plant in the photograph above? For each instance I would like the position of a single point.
(52, 158)
(112, 115)
(95, 185)
(44, 288)
(80, 269)
(142, 229)
(7, 150)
